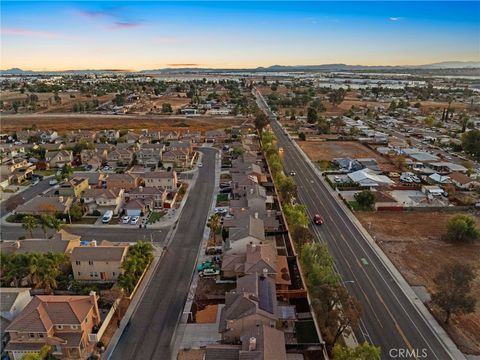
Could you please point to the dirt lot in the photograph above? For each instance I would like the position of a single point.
(97, 122)
(318, 150)
(411, 248)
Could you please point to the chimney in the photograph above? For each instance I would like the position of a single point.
(252, 344)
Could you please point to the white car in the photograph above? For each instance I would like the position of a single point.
(200, 165)
(53, 182)
(134, 220)
(126, 219)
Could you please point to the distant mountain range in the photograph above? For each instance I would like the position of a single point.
(273, 68)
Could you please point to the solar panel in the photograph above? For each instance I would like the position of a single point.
(266, 296)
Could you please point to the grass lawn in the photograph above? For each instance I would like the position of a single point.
(355, 206)
(45, 172)
(155, 216)
(85, 220)
(222, 198)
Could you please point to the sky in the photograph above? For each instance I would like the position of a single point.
(62, 35)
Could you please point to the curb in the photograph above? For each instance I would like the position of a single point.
(422, 310)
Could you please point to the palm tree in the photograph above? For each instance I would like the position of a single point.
(214, 224)
(45, 223)
(29, 223)
(56, 224)
(34, 266)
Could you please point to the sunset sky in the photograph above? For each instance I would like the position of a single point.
(149, 35)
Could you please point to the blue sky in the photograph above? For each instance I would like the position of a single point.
(145, 35)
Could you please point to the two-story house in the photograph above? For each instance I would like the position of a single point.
(73, 187)
(103, 200)
(61, 321)
(157, 195)
(122, 181)
(163, 179)
(98, 263)
(58, 158)
(12, 302)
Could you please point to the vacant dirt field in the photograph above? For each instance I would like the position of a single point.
(420, 252)
(177, 101)
(318, 150)
(65, 122)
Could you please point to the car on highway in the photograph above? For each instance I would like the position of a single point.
(200, 165)
(35, 182)
(126, 219)
(318, 220)
(53, 182)
(293, 173)
(134, 220)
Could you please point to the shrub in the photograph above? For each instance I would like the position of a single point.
(462, 228)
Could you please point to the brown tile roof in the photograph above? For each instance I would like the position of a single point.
(98, 253)
(158, 175)
(44, 311)
(462, 179)
(105, 193)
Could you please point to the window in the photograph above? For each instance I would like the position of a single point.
(90, 263)
(60, 327)
(74, 327)
(40, 335)
(79, 273)
(32, 335)
(113, 273)
(77, 262)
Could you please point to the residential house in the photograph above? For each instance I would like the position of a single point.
(98, 263)
(41, 205)
(12, 302)
(61, 321)
(108, 135)
(103, 200)
(94, 158)
(251, 232)
(122, 181)
(216, 136)
(25, 135)
(138, 207)
(48, 136)
(252, 303)
(176, 158)
(447, 167)
(148, 157)
(368, 178)
(62, 242)
(73, 187)
(168, 135)
(58, 158)
(464, 182)
(131, 137)
(156, 194)
(163, 179)
(119, 157)
(257, 343)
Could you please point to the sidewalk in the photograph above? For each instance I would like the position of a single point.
(400, 280)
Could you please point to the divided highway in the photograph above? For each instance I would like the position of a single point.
(152, 326)
(389, 320)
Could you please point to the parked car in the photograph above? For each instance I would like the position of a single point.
(225, 185)
(318, 220)
(107, 216)
(204, 266)
(225, 190)
(53, 182)
(126, 219)
(134, 220)
(210, 272)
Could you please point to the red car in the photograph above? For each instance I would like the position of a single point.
(317, 220)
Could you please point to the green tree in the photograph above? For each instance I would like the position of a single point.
(336, 97)
(471, 143)
(66, 172)
(29, 223)
(296, 214)
(286, 186)
(45, 223)
(76, 211)
(430, 120)
(302, 136)
(214, 224)
(454, 284)
(363, 351)
(323, 125)
(365, 199)
(167, 108)
(261, 121)
(312, 115)
(462, 228)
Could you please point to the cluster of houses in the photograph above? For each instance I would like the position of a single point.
(260, 315)
(67, 323)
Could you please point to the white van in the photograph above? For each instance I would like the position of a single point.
(107, 216)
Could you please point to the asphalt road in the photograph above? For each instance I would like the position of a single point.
(12, 202)
(389, 319)
(152, 326)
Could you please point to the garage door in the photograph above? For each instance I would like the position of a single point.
(133, 212)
